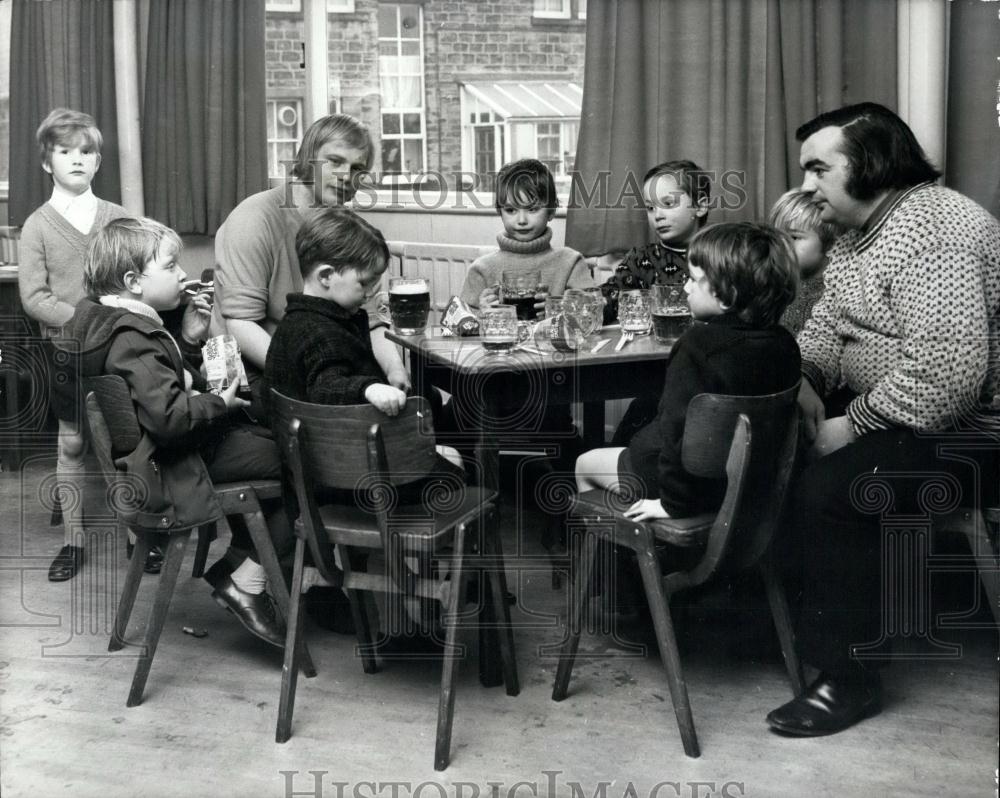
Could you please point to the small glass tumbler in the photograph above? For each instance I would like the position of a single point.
(498, 329)
(635, 311)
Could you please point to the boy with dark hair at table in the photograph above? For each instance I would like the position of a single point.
(741, 277)
(677, 196)
(321, 351)
(796, 214)
(526, 200)
(50, 278)
(190, 437)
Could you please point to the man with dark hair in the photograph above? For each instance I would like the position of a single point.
(901, 354)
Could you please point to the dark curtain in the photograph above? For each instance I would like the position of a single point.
(972, 163)
(61, 55)
(204, 136)
(724, 83)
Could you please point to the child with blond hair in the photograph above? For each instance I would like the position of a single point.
(53, 243)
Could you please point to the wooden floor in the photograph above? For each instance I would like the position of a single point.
(206, 727)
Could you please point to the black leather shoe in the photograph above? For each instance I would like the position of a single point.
(828, 706)
(154, 560)
(254, 610)
(67, 563)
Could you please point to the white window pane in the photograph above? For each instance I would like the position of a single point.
(413, 155)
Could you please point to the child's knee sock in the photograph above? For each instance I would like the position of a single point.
(250, 577)
(69, 484)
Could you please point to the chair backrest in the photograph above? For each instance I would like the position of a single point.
(100, 438)
(334, 439)
(445, 265)
(345, 447)
(752, 441)
(114, 399)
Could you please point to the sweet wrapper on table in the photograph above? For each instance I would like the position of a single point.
(459, 319)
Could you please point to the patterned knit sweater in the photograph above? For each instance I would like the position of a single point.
(909, 320)
(50, 274)
(560, 268)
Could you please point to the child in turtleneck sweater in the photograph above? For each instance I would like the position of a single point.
(526, 200)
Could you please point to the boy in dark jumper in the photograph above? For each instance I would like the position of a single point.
(741, 277)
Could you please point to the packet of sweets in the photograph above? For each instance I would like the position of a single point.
(459, 319)
(223, 364)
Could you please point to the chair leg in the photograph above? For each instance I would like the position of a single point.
(289, 667)
(584, 565)
(206, 534)
(446, 703)
(987, 565)
(279, 590)
(174, 555)
(359, 601)
(129, 591)
(782, 623)
(652, 580)
(497, 576)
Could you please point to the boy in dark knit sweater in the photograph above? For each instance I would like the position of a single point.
(321, 351)
(741, 277)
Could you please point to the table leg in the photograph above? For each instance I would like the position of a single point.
(487, 455)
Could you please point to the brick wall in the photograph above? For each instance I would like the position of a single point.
(463, 40)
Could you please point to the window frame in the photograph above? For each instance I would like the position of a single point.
(273, 143)
(566, 12)
(295, 6)
(403, 177)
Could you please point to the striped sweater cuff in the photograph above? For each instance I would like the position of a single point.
(864, 418)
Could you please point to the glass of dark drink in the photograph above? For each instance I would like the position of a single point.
(518, 288)
(407, 305)
(498, 329)
(671, 314)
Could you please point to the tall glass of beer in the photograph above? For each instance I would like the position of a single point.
(409, 303)
(671, 314)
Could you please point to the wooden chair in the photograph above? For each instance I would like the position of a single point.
(114, 431)
(749, 439)
(980, 528)
(348, 447)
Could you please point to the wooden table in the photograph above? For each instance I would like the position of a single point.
(496, 385)
(491, 392)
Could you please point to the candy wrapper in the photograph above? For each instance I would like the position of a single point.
(223, 364)
(459, 319)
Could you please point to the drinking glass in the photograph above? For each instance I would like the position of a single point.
(498, 329)
(671, 314)
(407, 304)
(518, 288)
(586, 306)
(635, 311)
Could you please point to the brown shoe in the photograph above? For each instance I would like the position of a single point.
(254, 610)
